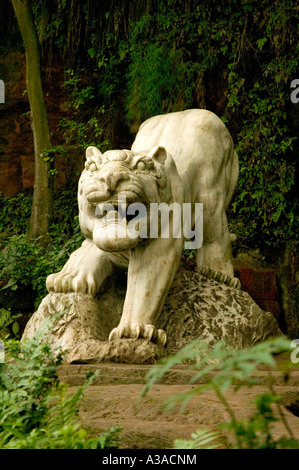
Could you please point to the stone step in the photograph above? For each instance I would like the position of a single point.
(146, 423)
(117, 374)
(115, 398)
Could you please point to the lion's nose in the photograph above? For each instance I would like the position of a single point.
(112, 179)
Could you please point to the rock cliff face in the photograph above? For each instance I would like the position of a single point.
(195, 308)
(16, 141)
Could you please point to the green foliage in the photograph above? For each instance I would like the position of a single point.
(8, 324)
(152, 74)
(27, 376)
(88, 114)
(36, 411)
(14, 214)
(257, 432)
(84, 122)
(219, 368)
(23, 261)
(200, 440)
(265, 142)
(18, 261)
(180, 56)
(189, 254)
(234, 367)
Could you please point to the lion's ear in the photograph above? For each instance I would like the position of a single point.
(159, 154)
(93, 152)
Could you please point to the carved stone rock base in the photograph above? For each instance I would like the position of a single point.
(81, 328)
(127, 351)
(196, 307)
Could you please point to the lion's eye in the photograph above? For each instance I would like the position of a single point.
(90, 165)
(140, 166)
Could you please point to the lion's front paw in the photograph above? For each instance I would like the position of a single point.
(82, 283)
(138, 330)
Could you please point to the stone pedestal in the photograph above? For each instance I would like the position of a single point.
(196, 307)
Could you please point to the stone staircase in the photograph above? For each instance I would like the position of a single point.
(114, 398)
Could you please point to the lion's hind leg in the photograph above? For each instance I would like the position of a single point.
(214, 258)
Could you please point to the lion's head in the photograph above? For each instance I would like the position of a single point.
(113, 181)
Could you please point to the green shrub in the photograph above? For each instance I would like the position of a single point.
(87, 121)
(24, 262)
(8, 324)
(14, 214)
(158, 82)
(36, 410)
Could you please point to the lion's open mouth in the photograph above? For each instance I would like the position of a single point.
(119, 225)
(117, 212)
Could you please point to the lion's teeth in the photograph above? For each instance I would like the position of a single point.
(122, 208)
(112, 215)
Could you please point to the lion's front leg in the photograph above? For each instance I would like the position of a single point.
(84, 272)
(151, 271)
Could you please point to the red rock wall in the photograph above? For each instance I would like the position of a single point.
(262, 286)
(16, 141)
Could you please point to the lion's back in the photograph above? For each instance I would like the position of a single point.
(199, 143)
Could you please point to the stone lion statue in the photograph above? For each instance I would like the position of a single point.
(182, 157)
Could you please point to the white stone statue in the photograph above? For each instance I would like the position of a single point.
(183, 157)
